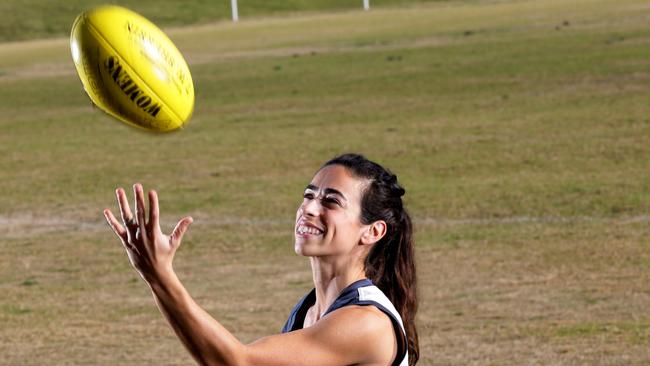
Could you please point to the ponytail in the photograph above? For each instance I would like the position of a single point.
(390, 264)
(391, 267)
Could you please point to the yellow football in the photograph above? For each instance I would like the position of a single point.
(130, 69)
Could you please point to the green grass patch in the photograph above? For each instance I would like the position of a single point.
(15, 310)
(29, 282)
(585, 330)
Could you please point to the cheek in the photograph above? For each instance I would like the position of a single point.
(344, 229)
(298, 211)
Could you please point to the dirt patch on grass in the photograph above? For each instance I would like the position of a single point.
(209, 57)
(37, 71)
(63, 69)
(29, 224)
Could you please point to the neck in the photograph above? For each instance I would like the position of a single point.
(330, 278)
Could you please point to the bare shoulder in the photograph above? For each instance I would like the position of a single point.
(363, 318)
(370, 329)
(352, 335)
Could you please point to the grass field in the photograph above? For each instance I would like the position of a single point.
(28, 19)
(519, 128)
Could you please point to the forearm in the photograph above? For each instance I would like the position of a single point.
(206, 340)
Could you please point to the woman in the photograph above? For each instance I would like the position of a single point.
(352, 226)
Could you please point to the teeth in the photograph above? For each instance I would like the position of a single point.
(302, 229)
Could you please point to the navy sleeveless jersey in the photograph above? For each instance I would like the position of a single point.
(362, 293)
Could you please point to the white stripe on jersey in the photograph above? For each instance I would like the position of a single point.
(373, 293)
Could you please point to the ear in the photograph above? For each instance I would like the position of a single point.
(374, 232)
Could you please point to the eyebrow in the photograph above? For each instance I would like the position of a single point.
(326, 190)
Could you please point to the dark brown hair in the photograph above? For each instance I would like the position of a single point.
(391, 262)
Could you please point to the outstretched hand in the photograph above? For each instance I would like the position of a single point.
(150, 251)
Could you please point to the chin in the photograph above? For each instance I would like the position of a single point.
(305, 249)
(300, 249)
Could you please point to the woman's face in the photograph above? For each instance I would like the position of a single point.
(328, 220)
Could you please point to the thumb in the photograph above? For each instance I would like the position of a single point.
(179, 231)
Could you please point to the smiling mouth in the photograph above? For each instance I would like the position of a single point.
(308, 230)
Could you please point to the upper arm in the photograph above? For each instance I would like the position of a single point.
(350, 335)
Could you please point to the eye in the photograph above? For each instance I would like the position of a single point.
(332, 200)
(308, 195)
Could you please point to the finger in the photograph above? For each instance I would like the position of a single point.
(115, 225)
(120, 231)
(125, 210)
(127, 215)
(179, 231)
(139, 207)
(154, 211)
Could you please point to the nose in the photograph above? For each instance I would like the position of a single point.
(311, 208)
